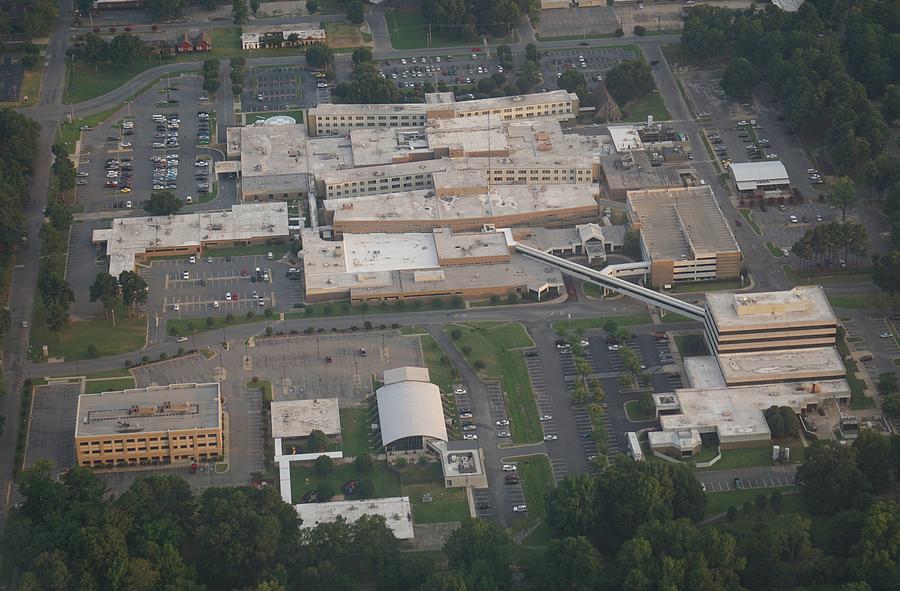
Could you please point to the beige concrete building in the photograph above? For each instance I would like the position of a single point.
(462, 464)
(390, 267)
(683, 235)
(154, 425)
(136, 240)
(800, 318)
(503, 206)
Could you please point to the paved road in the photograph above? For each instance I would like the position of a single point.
(750, 478)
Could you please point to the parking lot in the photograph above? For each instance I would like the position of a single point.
(152, 144)
(777, 225)
(51, 434)
(596, 63)
(569, 22)
(452, 69)
(219, 285)
(276, 88)
(10, 81)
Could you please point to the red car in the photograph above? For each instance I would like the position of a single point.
(111, 185)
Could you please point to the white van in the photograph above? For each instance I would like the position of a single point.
(188, 199)
(270, 256)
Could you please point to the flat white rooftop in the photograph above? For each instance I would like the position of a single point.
(780, 366)
(703, 372)
(372, 253)
(137, 235)
(625, 138)
(749, 175)
(298, 418)
(397, 512)
(798, 307)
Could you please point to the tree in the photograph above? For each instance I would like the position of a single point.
(890, 103)
(843, 196)
(779, 554)
(126, 48)
(569, 564)
(890, 406)
(881, 173)
(887, 383)
(254, 6)
(239, 12)
(106, 290)
(312, 6)
(324, 465)
(630, 80)
(486, 85)
(829, 477)
(134, 288)
(355, 12)
(316, 441)
(361, 55)
(483, 551)
(211, 85)
(531, 53)
(573, 81)
(640, 31)
(165, 9)
(162, 203)
(877, 554)
(646, 404)
(319, 56)
(739, 78)
(365, 489)
(364, 463)
(886, 273)
(782, 421)
(325, 491)
(873, 457)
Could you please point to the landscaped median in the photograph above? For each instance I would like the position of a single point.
(536, 478)
(576, 325)
(745, 213)
(492, 350)
(776, 252)
(87, 339)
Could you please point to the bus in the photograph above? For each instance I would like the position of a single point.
(634, 447)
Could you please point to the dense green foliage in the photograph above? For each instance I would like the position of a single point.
(466, 19)
(630, 80)
(782, 421)
(367, 87)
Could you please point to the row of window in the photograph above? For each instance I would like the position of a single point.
(152, 439)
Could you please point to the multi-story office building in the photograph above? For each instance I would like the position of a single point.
(800, 318)
(154, 425)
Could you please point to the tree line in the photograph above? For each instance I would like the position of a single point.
(468, 19)
(93, 49)
(36, 20)
(828, 243)
(831, 64)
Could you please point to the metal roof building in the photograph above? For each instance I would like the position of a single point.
(750, 176)
(410, 410)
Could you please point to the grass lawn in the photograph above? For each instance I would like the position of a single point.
(492, 343)
(858, 398)
(540, 536)
(635, 414)
(536, 477)
(413, 330)
(652, 104)
(407, 29)
(96, 386)
(341, 35)
(129, 334)
(31, 89)
(580, 324)
(72, 131)
(745, 213)
(751, 457)
(328, 309)
(439, 367)
(445, 504)
(718, 502)
(856, 302)
(776, 251)
(676, 317)
(691, 345)
(354, 431)
(697, 286)
(809, 277)
(277, 250)
(574, 37)
(592, 289)
(109, 373)
(387, 484)
(189, 326)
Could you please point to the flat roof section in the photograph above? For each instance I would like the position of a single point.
(460, 247)
(625, 138)
(512, 102)
(128, 237)
(176, 407)
(749, 175)
(782, 366)
(681, 223)
(404, 374)
(397, 513)
(298, 418)
(703, 372)
(372, 253)
(802, 305)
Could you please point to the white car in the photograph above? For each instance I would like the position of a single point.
(504, 434)
(546, 417)
(469, 427)
(185, 275)
(192, 260)
(772, 156)
(465, 415)
(613, 347)
(470, 436)
(181, 339)
(886, 335)
(550, 437)
(227, 296)
(175, 308)
(508, 467)
(215, 303)
(458, 390)
(592, 458)
(128, 204)
(584, 342)
(794, 220)
(502, 423)
(520, 508)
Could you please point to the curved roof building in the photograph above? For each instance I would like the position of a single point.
(410, 409)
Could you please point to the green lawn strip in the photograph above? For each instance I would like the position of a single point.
(439, 367)
(858, 398)
(277, 250)
(96, 386)
(444, 504)
(810, 277)
(577, 324)
(189, 326)
(490, 343)
(264, 386)
(745, 213)
(413, 330)
(536, 478)
(704, 286)
(635, 414)
(649, 33)
(651, 104)
(574, 37)
(129, 334)
(108, 373)
(251, 118)
(354, 431)
(896, 361)
(776, 252)
(855, 302)
(408, 30)
(71, 132)
(592, 290)
(676, 317)
(752, 457)
(718, 502)
(336, 309)
(856, 339)
(303, 478)
(210, 195)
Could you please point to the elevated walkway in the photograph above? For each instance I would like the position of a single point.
(611, 281)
